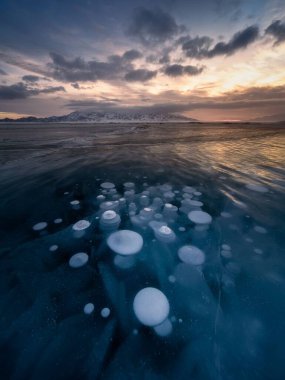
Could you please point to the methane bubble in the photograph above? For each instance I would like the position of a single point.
(151, 307)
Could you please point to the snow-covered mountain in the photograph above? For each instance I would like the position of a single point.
(270, 118)
(109, 117)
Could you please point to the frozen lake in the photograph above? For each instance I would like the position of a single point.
(142, 252)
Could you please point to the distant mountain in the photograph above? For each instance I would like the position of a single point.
(106, 117)
(270, 118)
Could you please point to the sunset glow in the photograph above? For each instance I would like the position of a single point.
(219, 61)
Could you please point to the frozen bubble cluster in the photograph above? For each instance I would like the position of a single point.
(161, 264)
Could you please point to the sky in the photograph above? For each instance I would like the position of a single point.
(208, 59)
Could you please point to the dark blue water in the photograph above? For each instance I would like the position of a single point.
(226, 315)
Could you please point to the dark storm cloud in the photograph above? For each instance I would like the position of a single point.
(152, 26)
(22, 91)
(31, 78)
(78, 69)
(199, 47)
(239, 41)
(179, 70)
(140, 75)
(195, 47)
(277, 30)
(164, 59)
(131, 55)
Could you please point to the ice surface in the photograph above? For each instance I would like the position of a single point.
(256, 187)
(225, 314)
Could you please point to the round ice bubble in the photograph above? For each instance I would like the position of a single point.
(200, 217)
(109, 205)
(190, 254)
(258, 188)
(57, 221)
(124, 262)
(195, 203)
(125, 242)
(75, 202)
(164, 234)
(88, 308)
(168, 195)
(107, 185)
(188, 189)
(105, 312)
(258, 251)
(40, 226)
(109, 215)
(165, 188)
(260, 230)
(164, 329)
(197, 193)
(225, 214)
(226, 247)
(81, 225)
(151, 307)
(129, 185)
(53, 248)
(171, 278)
(182, 229)
(78, 260)
(226, 254)
(165, 230)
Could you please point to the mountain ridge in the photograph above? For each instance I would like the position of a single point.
(105, 117)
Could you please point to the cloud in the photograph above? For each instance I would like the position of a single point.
(179, 70)
(199, 47)
(195, 47)
(98, 105)
(152, 26)
(79, 70)
(131, 55)
(22, 91)
(2, 72)
(164, 59)
(277, 30)
(31, 78)
(75, 85)
(240, 40)
(140, 75)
